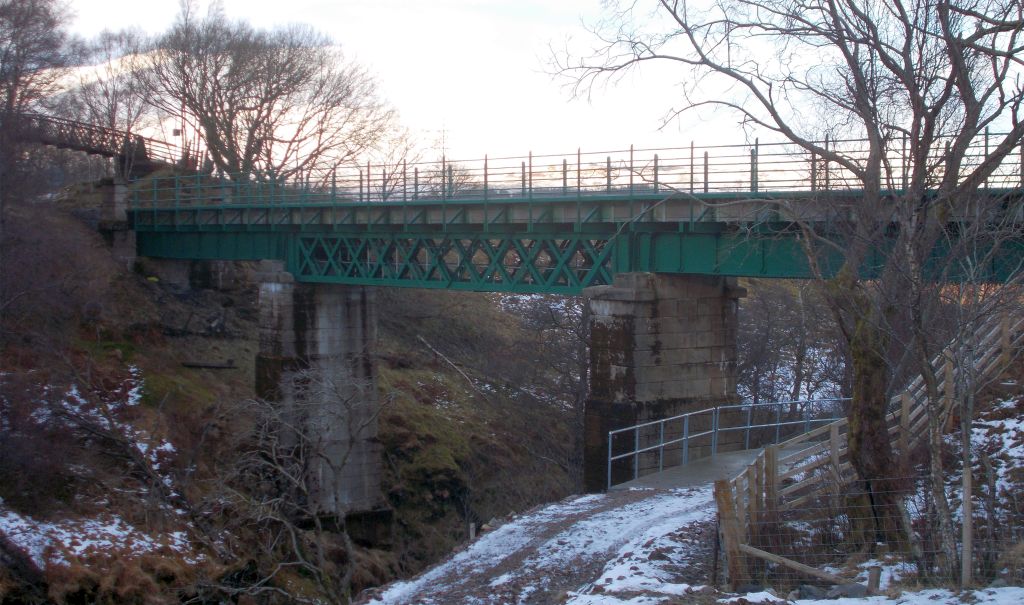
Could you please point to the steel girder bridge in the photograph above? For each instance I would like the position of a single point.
(133, 155)
(546, 224)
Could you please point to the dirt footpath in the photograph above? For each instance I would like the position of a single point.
(626, 543)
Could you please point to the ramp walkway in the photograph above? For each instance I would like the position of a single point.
(699, 447)
(700, 473)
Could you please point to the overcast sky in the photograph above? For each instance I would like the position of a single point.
(475, 70)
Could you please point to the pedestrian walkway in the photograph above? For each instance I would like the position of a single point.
(702, 472)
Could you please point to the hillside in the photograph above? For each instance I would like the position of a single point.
(118, 463)
(647, 546)
(127, 421)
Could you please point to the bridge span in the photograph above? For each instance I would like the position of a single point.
(133, 156)
(547, 224)
(654, 239)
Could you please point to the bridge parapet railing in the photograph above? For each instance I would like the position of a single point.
(703, 171)
(110, 142)
(653, 446)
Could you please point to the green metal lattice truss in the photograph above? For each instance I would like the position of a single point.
(557, 245)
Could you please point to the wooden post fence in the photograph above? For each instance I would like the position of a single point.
(729, 524)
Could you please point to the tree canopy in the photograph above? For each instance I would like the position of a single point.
(284, 102)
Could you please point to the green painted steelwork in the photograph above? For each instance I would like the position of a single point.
(529, 228)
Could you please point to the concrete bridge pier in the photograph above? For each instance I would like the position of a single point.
(113, 222)
(661, 345)
(316, 359)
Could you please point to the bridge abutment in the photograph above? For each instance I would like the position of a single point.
(660, 345)
(113, 221)
(316, 360)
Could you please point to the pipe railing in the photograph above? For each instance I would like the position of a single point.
(657, 435)
(82, 136)
(761, 168)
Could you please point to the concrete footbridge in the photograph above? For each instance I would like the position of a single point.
(654, 239)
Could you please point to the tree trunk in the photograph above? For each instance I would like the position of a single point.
(871, 451)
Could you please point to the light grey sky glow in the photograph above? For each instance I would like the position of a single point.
(474, 70)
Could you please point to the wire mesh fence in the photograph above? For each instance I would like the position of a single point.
(887, 534)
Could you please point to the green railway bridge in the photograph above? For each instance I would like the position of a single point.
(654, 239)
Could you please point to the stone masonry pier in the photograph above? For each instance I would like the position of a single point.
(661, 345)
(316, 360)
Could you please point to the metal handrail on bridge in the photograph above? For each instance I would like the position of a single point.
(706, 171)
(804, 417)
(99, 140)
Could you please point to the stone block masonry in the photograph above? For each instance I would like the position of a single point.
(661, 345)
(316, 360)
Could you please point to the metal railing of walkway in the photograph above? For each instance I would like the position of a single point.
(702, 431)
(706, 171)
(91, 138)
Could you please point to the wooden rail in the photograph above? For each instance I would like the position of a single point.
(775, 483)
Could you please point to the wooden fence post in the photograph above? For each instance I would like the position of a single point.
(833, 448)
(730, 533)
(1004, 341)
(949, 388)
(771, 477)
(874, 578)
(834, 445)
(741, 512)
(753, 498)
(759, 482)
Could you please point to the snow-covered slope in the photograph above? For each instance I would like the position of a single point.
(648, 546)
(619, 542)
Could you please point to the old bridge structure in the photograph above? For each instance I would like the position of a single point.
(654, 240)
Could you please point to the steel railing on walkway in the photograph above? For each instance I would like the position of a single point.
(704, 171)
(90, 138)
(702, 431)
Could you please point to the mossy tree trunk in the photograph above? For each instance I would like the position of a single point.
(871, 452)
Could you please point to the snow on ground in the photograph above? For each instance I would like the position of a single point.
(1000, 434)
(651, 560)
(1010, 595)
(989, 596)
(612, 600)
(644, 543)
(60, 542)
(570, 541)
(490, 550)
(637, 530)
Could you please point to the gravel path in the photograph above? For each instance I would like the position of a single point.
(650, 541)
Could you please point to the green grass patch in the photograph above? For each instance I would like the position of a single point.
(101, 349)
(158, 388)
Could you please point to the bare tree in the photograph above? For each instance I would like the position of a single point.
(110, 89)
(274, 486)
(917, 83)
(393, 162)
(784, 350)
(32, 48)
(283, 102)
(32, 51)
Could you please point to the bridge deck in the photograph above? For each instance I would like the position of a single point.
(543, 224)
(704, 471)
